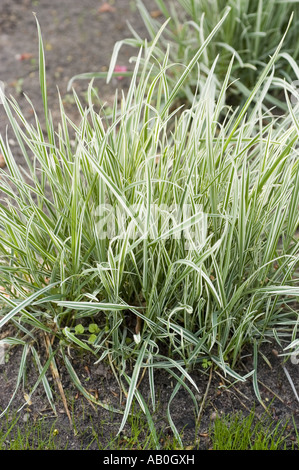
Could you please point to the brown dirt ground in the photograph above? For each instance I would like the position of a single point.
(78, 38)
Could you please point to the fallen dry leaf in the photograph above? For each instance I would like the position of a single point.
(56, 377)
(28, 399)
(3, 292)
(2, 161)
(156, 13)
(24, 56)
(106, 7)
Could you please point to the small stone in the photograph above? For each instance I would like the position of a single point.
(26, 417)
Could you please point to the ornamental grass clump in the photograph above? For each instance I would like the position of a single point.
(152, 238)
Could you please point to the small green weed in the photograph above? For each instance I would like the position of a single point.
(37, 435)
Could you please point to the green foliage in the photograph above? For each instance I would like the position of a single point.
(79, 329)
(93, 328)
(206, 363)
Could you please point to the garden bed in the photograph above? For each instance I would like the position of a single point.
(92, 427)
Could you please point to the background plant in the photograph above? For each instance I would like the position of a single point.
(158, 300)
(251, 33)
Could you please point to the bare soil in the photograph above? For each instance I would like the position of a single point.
(93, 426)
(79, 38)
